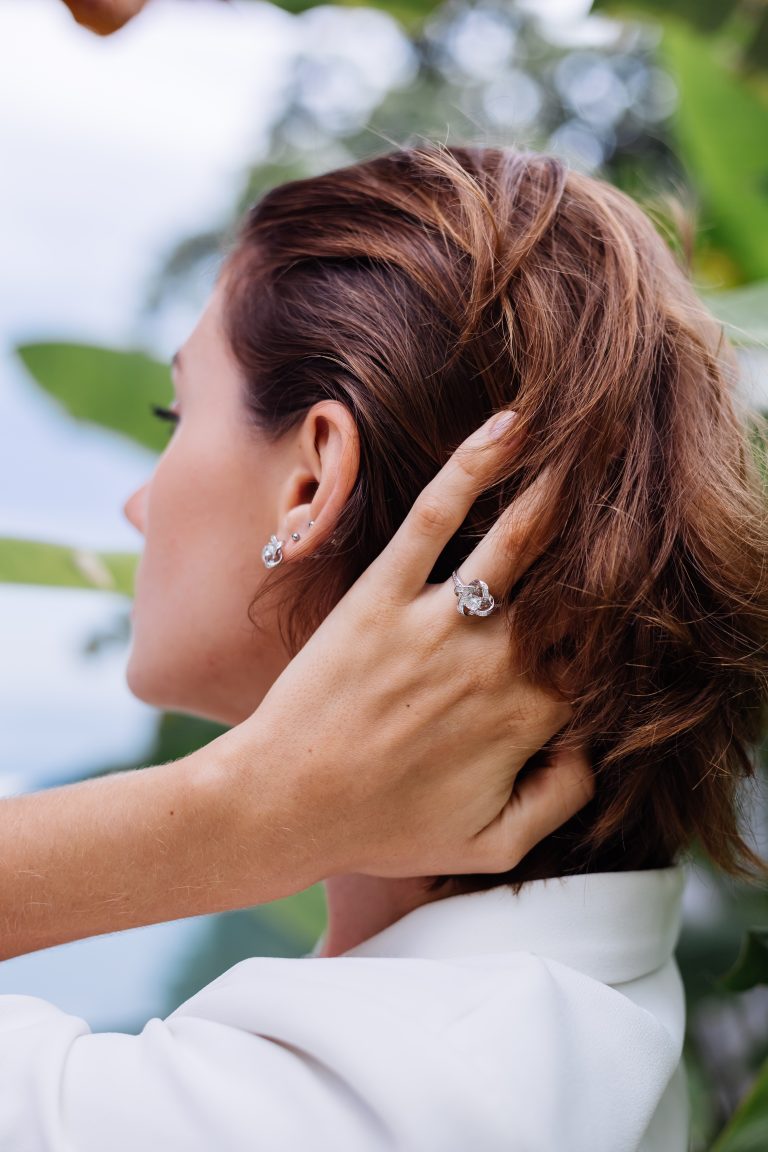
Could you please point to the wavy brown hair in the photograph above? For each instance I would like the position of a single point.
(431, 286)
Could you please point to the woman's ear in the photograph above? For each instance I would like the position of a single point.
(326, 461)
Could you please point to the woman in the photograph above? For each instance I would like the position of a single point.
(364, 322)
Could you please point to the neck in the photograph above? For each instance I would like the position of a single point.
(360, 906)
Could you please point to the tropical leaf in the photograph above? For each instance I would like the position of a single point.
(708, 16)
(751, 967)
(747, 1130)
(743, 311)
(300, 917)
(410, 13)
(114, 389)
(56, 565)
(721, 127)
(721, 123)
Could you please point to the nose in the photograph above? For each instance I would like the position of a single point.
(135, 508)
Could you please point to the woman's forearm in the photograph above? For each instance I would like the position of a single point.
(390, 745)
(139, 847)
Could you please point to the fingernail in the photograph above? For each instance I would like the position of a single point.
(500, 424)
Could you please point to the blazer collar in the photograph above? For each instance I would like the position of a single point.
(613, 926)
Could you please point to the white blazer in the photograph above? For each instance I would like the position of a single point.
(550, 1021)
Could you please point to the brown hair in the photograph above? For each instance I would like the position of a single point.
(426, 289)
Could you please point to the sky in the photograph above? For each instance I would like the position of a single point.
(112, 150)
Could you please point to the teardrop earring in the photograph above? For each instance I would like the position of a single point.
(272, 553)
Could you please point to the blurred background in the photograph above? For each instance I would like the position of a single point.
(125, 163)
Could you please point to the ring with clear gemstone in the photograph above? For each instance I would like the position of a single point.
(474, 599)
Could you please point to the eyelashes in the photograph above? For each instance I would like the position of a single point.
(164, 414)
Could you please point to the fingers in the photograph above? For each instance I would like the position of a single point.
(442, 506)
(104, 16)
(517, 538)
(538, 806)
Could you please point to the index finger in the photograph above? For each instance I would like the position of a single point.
(441, 508)
(517, 538)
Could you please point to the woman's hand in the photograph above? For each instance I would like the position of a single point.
(395, 736)
(391, 745)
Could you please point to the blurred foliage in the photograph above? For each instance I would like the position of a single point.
(717, 51)
(112, 389)
(751, 967)
(288, 927)
(177, 736)
(744, 312)
(488, 72)
(745, 24)
(410, 14)
(57, 565)
(672, 98)
(747, 1130)
(722, 129)
(727, 1035)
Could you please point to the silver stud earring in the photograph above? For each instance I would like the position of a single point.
(295, 536)
(272, 553)
(310, 523)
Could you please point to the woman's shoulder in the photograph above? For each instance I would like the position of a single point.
(455, 1027)
(561, 1003)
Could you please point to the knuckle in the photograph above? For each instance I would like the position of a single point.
(577, 777)
(512, 538)
(514, 852)
(431, 515)
(499, 853)
(472, 462)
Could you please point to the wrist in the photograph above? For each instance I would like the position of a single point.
(252, 799)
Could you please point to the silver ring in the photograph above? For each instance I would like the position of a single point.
(474, 598)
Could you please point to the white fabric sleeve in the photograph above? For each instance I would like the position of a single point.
(185, 1084)
(330, 1055)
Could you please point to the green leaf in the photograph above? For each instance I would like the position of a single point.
(744, 25)
(747, 1130)
(302, 916)
(751, 965)
(720, 123)
(410, 13)
(721, 127)
(706, 15)
(756, 55)
(59, 566)
(104, 386)
(743, 311)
